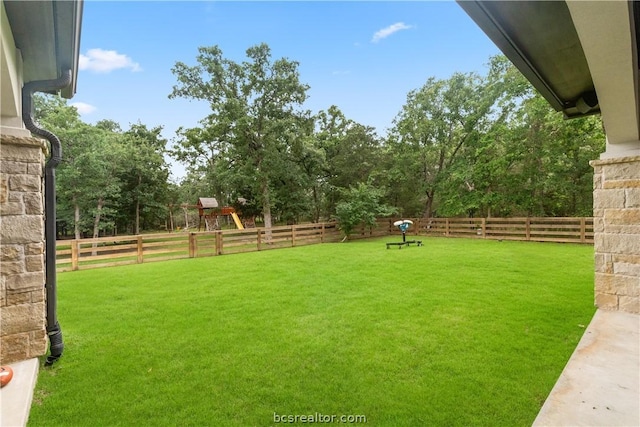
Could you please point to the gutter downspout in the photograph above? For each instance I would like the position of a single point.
(56, 346)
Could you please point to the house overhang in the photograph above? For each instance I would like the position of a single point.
(540, 39)
(47, 34)
(582, 56)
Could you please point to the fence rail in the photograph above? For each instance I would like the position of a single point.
(562, 230)
(122, 250)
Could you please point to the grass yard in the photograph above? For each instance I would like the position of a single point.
(458, 332)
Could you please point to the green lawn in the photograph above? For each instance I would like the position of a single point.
(458, 332)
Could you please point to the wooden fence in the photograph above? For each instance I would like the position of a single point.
(561, 230)
(121, 250)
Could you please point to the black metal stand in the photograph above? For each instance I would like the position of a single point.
(404, 242)
(403, 225)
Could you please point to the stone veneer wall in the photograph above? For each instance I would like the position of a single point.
(616, 223)
(22, 278)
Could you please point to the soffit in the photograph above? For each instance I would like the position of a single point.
(48, 36)
(540, 39)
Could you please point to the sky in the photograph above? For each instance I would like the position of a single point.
(363, 57)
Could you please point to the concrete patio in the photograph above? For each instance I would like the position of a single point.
(16, 397)
(600, 385)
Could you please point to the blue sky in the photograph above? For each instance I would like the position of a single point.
(363, 57)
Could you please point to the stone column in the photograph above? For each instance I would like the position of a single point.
(22, 278)
(616, 222)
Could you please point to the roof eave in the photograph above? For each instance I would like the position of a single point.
(506, 32)
(47, 33)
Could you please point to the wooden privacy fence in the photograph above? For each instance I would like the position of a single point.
(121, 250)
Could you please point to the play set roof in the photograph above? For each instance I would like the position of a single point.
(207, 202)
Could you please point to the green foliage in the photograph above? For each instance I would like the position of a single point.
(467, 145)
(253, 125)
(361, 204)
(107, 178)
(459, 332)
(555, 178)
(144, 175)
(350, 154)
(439, 122)
(478, 145)
(483, 146)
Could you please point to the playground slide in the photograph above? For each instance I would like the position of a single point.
(237, 221)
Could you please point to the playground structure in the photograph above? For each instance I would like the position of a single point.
(209, 211)
(403, 225)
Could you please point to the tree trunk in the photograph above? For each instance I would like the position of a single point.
(96, 226)
(428, 208)
(186, 218)
(316, 205)
(266, 210)
(76, 219)
(137, 226)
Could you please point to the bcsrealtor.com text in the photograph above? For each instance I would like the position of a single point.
(318, 418)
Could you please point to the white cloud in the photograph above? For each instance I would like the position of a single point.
(83, 108)
(104, 61)
(386, 32)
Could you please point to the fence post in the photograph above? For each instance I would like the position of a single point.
(193, 245)
(140, 251)
(528, 228)
(322, 234)
(484, 228)
(75, 249)
(218, 242)
(446, 227)
(583, 230)
(293, 235)
(259, 239)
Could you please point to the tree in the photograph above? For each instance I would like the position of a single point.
(551, 175)
(479, 182)
(434, 124)
(204, 150)
(441, 126)
(144, 176)
(86, 183)
(63, 120)
(293, 183)
(361, 204)
(103, 164)
(344, 154)
(106, 176)
(253, 106)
